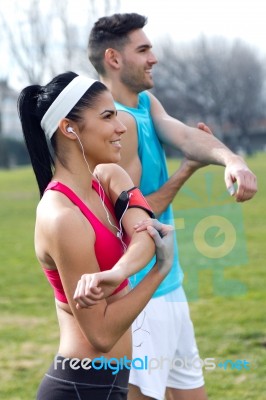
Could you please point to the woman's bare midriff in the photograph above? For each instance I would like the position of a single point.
(73, 343)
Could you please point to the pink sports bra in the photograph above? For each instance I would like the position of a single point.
(108, 247)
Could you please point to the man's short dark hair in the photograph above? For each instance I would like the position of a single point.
(111, 32)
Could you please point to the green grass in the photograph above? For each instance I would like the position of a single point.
(229, 324)
(28, 326)
(228, 309)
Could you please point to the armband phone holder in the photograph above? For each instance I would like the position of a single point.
(129, 199)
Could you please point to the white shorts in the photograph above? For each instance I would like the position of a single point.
(164, 346)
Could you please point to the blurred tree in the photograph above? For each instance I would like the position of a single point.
(213, 80)
(47, 40)
(28, 40)
(3, 152)
(3, 85)
(13, 153)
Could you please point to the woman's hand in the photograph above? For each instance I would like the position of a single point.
(163, 236)
(92, 288)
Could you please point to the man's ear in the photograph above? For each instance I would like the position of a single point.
(112, 58)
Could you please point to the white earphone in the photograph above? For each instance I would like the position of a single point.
(70, 129)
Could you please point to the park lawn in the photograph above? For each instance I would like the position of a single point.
(227, 300)
(28, 326)
(229, 309)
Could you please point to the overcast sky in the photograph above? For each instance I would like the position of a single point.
(187, 19)
(182, 20)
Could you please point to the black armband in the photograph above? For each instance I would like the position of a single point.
(129, 199)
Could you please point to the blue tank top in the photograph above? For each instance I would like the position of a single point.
(154, 175)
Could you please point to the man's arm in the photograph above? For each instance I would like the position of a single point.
(161, 199)
(206, 149)
(130, 161)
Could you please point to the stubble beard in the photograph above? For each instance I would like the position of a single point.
(135, 82)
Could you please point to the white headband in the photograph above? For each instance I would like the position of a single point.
(66, 100)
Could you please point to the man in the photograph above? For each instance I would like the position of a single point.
(122, 55)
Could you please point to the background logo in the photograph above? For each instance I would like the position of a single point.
(211, 240)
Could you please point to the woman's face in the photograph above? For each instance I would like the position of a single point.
(101, 131)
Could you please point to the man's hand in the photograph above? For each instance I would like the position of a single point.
(237, 171)
(203, 127)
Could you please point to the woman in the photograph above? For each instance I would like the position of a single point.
(77, 232)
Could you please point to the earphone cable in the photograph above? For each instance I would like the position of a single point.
(102, 197)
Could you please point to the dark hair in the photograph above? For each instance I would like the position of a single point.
(111, 31)
(33, 102)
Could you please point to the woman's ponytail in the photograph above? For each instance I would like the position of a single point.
(30, 116)
(33, 103)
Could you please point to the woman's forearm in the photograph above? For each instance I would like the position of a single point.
(117, 317)
(138, 254)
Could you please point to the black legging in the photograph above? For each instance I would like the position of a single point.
(81, 384)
